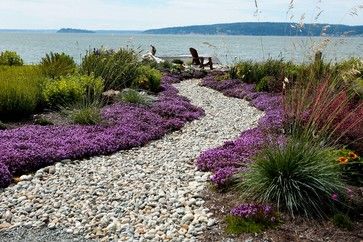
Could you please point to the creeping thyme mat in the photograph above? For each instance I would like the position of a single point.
(146, 193)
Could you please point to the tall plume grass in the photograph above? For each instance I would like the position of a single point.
(322, 112)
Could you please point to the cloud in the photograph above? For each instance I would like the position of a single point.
(144, 14)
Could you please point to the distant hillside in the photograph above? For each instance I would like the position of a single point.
(265, 28)
(80, 31)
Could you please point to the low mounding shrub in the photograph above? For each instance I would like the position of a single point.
(118, 69)
(20, 91)
(298, 177)
(69, 90)
(253, 72)
(10, 58)
(55, 65)
(148, 79)
(133, 96)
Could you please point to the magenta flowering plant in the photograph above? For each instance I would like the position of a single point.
(251, 218)
(256, 212)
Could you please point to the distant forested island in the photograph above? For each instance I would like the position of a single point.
(264, 29)
(80, 31)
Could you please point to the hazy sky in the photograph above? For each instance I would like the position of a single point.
(144, 14)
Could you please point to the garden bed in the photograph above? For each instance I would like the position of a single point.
(235, 157)
(31, 147)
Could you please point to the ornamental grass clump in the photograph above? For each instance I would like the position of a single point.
(20, 91)
(55, 65)
(133, 96)
(251, 218)
(298, 177)
(90, 115)
(119, 69)
(324, 113)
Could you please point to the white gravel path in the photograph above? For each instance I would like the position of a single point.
(150, 193)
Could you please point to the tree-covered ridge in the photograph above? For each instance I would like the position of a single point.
(264, 28)
(70, 30)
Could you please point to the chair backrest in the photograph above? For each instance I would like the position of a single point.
(195, 56)
(153, 50)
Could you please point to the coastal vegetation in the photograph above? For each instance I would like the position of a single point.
(302, 160)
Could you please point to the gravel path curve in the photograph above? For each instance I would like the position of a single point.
(150, 193)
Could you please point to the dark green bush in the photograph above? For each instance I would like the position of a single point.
(69, 90)
(298, 177)
(10, 58)
(118, 69)
(148, 79)
(20, 91)
(263, 84)
(55, 65)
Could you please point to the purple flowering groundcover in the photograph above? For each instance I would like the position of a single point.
(234, 156)
(32, 147)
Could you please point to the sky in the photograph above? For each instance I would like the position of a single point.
(144, 14)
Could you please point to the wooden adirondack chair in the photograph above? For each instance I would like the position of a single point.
(199, 60)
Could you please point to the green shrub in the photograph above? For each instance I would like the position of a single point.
(298, 177)
(177, 61)
(89, 115)
(148, 79)
(133, 96)
(237, 225)
(118, 69)
(245, 71)
(253, 72)
(69, 90)
(20, 91)
(263, 84)
(10, 58)
(342, 221)
(55, 65)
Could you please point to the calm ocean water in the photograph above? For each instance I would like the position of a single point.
(33, 46)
